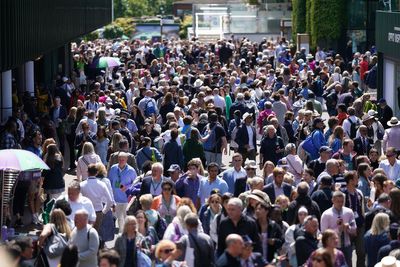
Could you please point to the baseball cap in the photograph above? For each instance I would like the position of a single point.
(174, 167)
(325, 149)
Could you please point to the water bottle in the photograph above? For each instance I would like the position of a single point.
(10, 233)
(4, 235)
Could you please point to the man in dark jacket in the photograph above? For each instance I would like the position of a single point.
(237, 223)
(384, 202)
(277, 187)
(302, 200)
(202, 245)
(234, 248)
(250, 258)
(307, 243)
(385, 113)
(246, 138)
(323, 195)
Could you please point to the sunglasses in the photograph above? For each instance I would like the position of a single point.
(167, 189)
(390, 155)
(167, 250)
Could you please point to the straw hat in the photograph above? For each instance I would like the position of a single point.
(393, 122)
(388, 261)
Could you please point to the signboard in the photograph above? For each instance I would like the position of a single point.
(388, 33)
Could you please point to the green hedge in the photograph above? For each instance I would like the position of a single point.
(328, 18)
(298, 17)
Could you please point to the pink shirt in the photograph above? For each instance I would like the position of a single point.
(330, 218)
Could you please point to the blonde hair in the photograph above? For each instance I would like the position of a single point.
(146, 200)
(47, 142)
(115, 141)
(162, 245)
(58, 218)
(129, 219)
(101, 169)
(380, 224)
(87, 148)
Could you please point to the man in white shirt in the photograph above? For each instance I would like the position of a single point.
(91, 104)
(391, 165)
(91, 120)
(219, 101)
(351, 119)
(97, 192)
(77, 202)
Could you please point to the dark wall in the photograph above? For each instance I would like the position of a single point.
(29, 28)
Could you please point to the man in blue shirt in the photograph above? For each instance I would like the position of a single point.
(207, 184)
(188, 184)
(121, 177)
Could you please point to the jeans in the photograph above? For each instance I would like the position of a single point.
(359, 244)
(213, 157)
(120, 213)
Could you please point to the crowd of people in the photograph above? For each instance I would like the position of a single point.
(313, 177)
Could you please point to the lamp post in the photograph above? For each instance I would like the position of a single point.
(161, 23)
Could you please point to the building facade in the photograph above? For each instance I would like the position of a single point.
(35, 37)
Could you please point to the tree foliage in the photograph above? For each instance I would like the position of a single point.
(112, 31)
(185, 24)
(298, 17)
(127, 25)
(328, 19)
(139, 8)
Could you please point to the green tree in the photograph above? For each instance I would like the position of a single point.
(138, 8)
(112, 31)
(328, 19)
(126, 24)
(120, 8)
(185, 24)
(299, 17)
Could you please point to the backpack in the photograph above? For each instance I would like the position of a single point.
(308, 145)
(210, 143)
(160, 227)
(353, 128)
(149, 108)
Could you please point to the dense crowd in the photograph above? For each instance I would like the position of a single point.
(313, 177)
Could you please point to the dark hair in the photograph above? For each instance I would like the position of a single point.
(69, 257)
(168, 182)
(194, 134)
(146, 224)
(146, 166)
(63, 205)
(213, 165)
(310, 172)
(110, 255)
(350, 175)
(92, 169)
(332, 121)
(174, 134)
(362, 167)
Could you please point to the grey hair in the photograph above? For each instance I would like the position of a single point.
(232, 238)
(182, 212)
(289, 147)
(75, 185)
(331, 162)
(236, 202)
